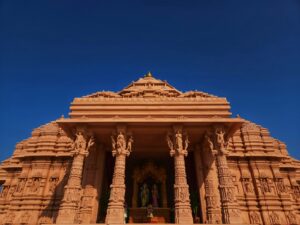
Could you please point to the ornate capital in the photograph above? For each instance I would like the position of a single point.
(178, 142)
(215, 141)
(121, 144)
(82, 143)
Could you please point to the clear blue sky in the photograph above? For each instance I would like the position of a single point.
(53, 51)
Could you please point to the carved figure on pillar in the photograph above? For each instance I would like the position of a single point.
(178, 150)
(121, 147)
(71, 200)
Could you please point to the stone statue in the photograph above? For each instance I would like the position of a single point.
(121, 142)
(176, 146)
(119, 145)
(220, 140)
(144, 195)
(155, 195)
(209, 142)
(149, 211)
(178, 138)
(129, 144)
(81, 146)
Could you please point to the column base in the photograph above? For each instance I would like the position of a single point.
(183, 216)
(115, 215)
(66, 216)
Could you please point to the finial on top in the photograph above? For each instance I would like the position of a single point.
(149, 74)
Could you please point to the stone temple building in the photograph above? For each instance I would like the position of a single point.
(150, 154)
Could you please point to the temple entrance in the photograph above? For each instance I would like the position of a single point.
(150, 179)
(149, 193)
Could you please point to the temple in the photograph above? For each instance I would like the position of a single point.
(150, 154)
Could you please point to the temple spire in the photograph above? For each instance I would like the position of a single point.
(149, 74)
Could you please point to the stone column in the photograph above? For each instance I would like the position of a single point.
(120, 149)
(72, 194)
(178, 150)
(230, 209)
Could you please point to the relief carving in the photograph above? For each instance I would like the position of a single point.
(264, 185)
(35, 184)
(274, 219)
(291, 218)
(280, 185)
(53, 181)
(120, 146)
(21, 185)
(254, 218)
(178, 143)
(24, 219)
(247, 184)
(81, 145)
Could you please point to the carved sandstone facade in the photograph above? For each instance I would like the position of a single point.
(150, 154)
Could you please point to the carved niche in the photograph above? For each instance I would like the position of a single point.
(36, 182)
(264, 184)
(247, 185)
(21, 185)
(280, 185)
(53, 181)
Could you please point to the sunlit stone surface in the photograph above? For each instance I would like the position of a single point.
(150, 154)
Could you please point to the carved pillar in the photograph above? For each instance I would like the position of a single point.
(230, 209)
(120, 149)
(212, 195)
(178, 150)
(72, 194)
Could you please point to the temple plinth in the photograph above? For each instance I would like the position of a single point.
(77, 170)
